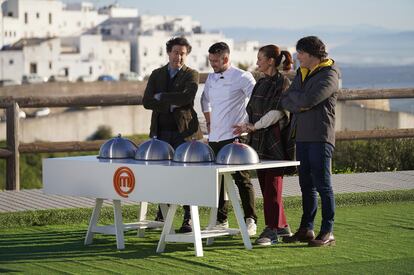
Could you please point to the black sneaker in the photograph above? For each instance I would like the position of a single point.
(268, 237)
(159, 219)
(284, 232)
(185, 227)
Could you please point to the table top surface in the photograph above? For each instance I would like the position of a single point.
(168, 163)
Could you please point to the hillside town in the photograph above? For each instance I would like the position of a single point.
(48, 40)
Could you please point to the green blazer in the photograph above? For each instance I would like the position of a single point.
(182, 93)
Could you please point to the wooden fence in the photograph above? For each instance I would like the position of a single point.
(12, 104)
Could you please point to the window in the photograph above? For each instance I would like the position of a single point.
(50, 18)
(37, 15)
(33, 68)
(110, 51)
(5, 34)
(11, 62)
(50, 65)
(26, 18)
(90, 70)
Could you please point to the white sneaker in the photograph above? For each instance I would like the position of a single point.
(220, 226)
(251, 226)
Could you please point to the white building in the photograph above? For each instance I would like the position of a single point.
(148, 35)
(172, 24)
(77, 18)
(71, 57)
(118, 12)
(81, 50)
(46, 18)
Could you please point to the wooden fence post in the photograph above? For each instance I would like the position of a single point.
(12, 162)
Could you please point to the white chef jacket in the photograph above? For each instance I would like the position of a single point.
(225, 96)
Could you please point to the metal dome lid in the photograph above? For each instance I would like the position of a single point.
(117, 148)
(154, 149)
(237, 153)
(193, 151)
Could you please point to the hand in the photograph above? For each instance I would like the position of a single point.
(250, 127)
(157, 96)
(238, 130)
(243, 128)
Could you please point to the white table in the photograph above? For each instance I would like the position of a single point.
(162, 182)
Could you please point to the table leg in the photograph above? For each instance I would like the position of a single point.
(198, 245)
(230, 187)
(212, 222)
(167, 229)
(93, 221)
(119, 226)
(141, 217)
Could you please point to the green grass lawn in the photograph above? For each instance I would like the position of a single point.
(371, 239)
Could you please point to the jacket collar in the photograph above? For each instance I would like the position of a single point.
(305, 72)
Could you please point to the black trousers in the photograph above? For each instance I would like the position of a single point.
(246, 190)
(175, 139)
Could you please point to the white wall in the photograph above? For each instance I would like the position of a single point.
(11, 65)
(113, 56)
(39, 18)
(75, 22)
(11, 30)
(78, 126)
(354, 118)
(115, 11)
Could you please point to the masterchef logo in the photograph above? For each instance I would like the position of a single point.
(124, 181)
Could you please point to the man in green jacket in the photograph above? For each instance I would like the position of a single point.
(312, 99)
(170, 94)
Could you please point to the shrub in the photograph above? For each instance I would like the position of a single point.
(103, 132)
(374, 155)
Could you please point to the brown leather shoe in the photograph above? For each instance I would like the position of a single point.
(303, 235)
(323, 239)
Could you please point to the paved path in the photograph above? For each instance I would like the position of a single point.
(35, 199)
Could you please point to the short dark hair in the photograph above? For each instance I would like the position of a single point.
(313, 46)
(181, 41)
(219, 48)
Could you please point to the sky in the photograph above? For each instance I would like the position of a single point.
(394, 15)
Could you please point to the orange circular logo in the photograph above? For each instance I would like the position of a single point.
(124, 181)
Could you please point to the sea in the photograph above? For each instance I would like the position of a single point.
(381, 77)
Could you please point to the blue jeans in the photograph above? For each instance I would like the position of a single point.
(315, 176)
